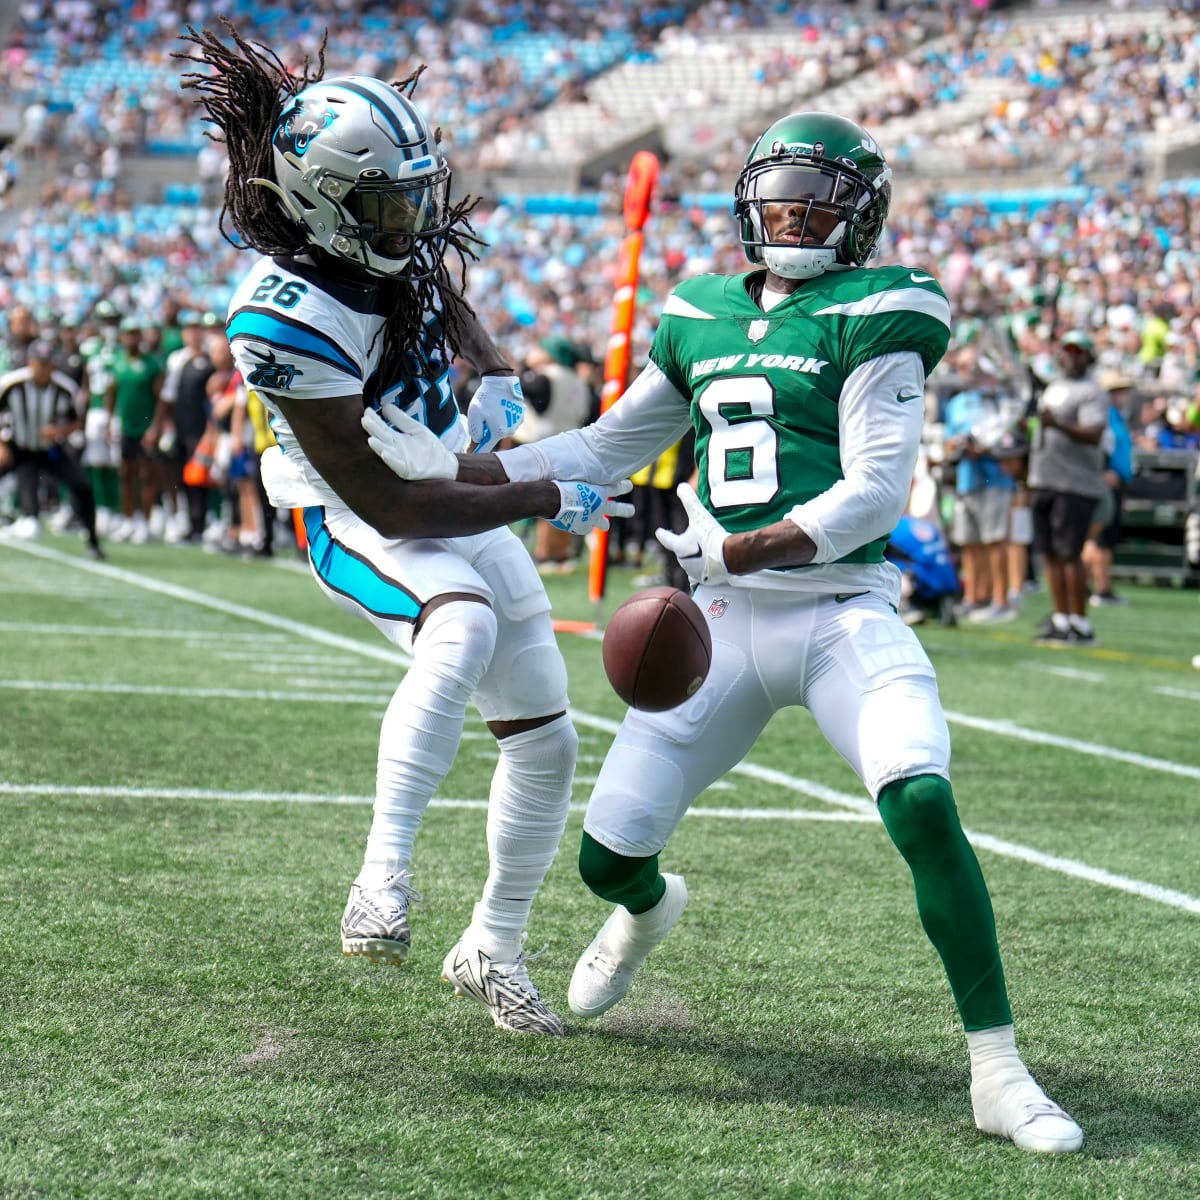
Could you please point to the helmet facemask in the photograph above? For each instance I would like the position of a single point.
(394, 226)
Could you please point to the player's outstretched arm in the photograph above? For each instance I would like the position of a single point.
(330, 433)
(413, 453)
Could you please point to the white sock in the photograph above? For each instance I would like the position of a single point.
(527, 812)
(422, 728)
(993, 1051)
(1061, 621)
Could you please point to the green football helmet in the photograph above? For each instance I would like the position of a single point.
(817, 162)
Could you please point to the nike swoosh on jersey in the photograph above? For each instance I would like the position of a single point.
(920, 278)
(842, 597)
(901, 398)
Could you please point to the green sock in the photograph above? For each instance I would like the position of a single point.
(633, 882)
(105, 487)
(952, 898)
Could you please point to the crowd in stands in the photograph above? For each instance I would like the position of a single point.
(91, 76)
(1120, 262)
(1086, 98)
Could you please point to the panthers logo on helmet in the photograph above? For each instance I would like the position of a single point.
(296, 128)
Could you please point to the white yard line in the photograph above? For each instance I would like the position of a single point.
(859, 811)
(1178, 693)
(100, 632)
(148, 689)
(243, 612)
(1065, 672)
(57, 791)
(1094, 749)
(856, 804)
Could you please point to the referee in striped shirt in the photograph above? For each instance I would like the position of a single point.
(37, 415)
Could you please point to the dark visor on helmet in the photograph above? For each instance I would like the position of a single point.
(775, 184)
(408, 209)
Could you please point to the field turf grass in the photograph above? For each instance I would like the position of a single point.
(187, 747)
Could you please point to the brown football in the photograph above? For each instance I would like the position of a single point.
(657, 649)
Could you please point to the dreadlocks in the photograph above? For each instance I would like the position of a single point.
(244, 93)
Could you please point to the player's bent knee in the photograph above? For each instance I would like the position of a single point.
(617, 878)
(527, 678)
(919, 814)
(536, 678)
(460, 636)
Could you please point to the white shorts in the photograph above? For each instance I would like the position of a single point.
(388, 583)
(852, 663)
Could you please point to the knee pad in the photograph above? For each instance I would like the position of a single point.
(458, 640)
(617, 878)
(528, 677)
(920, 815)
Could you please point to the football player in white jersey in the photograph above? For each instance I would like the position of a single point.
(804, 383)
(340, 186)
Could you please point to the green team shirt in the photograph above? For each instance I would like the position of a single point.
(136, 400)
(764, 386)
(98, 358)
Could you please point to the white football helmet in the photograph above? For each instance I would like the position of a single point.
(358, 169)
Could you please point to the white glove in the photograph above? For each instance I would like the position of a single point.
(409, 448)
(700, 548)
(495, 411)
(588, 506)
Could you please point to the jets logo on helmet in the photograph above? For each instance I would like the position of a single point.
(814, 162)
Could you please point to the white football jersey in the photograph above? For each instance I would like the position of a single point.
(294, 330)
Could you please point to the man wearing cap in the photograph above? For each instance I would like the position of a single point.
(1066, 478)
(37, 415)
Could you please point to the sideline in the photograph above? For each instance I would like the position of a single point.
(856, 804)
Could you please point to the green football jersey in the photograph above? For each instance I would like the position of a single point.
(764, 386)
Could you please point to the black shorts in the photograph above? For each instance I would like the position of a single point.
(132, 449)
(1060, 522)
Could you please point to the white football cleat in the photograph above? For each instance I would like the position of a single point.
(606, 968)
(1010, 1105)
(375, 923)
(503, 988)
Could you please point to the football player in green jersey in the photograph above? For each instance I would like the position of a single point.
(804, 382)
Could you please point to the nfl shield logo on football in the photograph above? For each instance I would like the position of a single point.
(758, 330)
(717, 607)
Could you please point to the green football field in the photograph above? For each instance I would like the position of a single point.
(187, 747)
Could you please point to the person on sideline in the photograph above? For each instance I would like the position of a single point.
(1105, 531)
(38, 415)
(1066, 481)
(983, 493)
